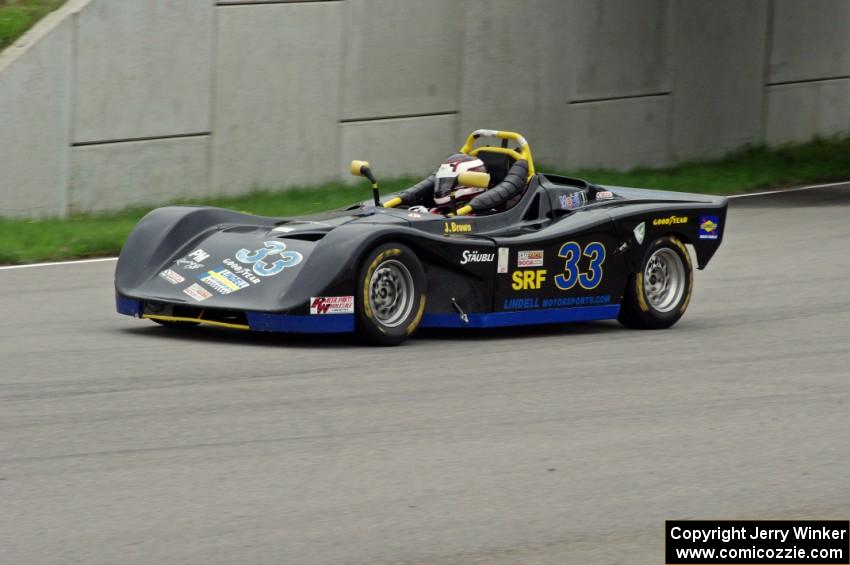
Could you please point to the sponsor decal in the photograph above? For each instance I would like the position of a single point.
(332, 305)
(528, 280)
(242, 271)
(533, 258)
(283, 229)
(640, 232)
(216, 284)
(521, 303)
(171, 276)
(197, 292)
(572, 301)
(565, 302)
(708, 226)
(454, 227)
(504, 255)
(475, 257)
(672, 220)
(227, 278)
(188, 264)
(198, 255)
(414, 215)
(572, 201)
(604, 195)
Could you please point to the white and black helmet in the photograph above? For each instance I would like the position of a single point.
(446, 178)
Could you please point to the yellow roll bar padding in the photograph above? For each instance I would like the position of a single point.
(523, 150)
(356, 166)
(196, 320)
(464, 211)
(392, 203)
(474, 178)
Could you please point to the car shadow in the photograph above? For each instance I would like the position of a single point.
(517, 332)
(223, 336)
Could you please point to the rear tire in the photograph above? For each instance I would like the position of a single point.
(390, 295)
(658, 295)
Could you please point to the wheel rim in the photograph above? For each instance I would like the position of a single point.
(664, 280)
(391, 293)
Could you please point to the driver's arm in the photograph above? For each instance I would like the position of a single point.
(420, 193)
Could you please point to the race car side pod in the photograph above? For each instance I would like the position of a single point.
(361, 169)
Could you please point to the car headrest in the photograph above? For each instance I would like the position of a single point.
(498, 165)
(512, 185)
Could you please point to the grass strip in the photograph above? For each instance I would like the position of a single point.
(24, 241)
(17, 16)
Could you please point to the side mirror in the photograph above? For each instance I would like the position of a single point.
(361, 169)
(357, 168)
(473, 178)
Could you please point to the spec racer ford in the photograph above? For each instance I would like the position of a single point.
(485, 241)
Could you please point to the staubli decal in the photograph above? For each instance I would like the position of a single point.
(476, 257)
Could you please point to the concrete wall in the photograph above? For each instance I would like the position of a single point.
(35, 114)
(277, 95)
(106, 104)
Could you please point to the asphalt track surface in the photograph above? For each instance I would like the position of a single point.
(124, 442)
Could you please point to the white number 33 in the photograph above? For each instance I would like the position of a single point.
(272, 248)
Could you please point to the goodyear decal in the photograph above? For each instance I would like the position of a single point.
(670, 221)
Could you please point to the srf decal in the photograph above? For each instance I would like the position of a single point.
(708, 226)
(531, 279)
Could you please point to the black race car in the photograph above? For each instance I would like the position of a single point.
(533, 248)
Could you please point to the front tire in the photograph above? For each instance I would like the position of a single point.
(391, 297)
(658, 295)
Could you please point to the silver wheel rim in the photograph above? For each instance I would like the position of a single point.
(391, 293)
(664, 279)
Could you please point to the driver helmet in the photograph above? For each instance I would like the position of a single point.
(446, 178)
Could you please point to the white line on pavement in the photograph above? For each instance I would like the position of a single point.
(58, 263)
(799, 188)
